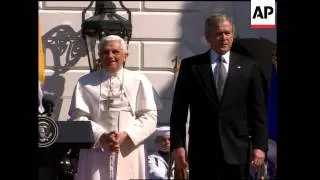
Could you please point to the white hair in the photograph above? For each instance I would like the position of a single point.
(109, 38)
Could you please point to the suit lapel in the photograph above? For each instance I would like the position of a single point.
(234, 66)
(206, 77)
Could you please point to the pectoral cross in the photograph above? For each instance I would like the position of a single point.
(109, 99)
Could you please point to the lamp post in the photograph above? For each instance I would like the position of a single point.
(104, 22)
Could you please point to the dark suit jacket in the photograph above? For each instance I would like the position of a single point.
(225, 125)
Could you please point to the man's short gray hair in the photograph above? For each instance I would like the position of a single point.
(216, 18)
(109, 38)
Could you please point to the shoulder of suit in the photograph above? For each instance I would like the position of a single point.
(195, 58)
(243, 58)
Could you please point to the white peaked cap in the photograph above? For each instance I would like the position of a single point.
(163, 131)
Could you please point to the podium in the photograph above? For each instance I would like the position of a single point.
(72, 135)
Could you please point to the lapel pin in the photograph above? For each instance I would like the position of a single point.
(238, 67)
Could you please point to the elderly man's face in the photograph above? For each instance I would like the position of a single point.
(163, 143)
(221, 37)
(113, 56)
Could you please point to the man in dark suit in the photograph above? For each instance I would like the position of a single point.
(226, 99)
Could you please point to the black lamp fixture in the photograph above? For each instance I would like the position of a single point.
(104, 22)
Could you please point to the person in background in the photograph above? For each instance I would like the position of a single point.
(160, 164)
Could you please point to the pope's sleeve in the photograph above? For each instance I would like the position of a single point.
(79, 111)
(147, 106)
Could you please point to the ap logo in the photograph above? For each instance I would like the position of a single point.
(263, 14)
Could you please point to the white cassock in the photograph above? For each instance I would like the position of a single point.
(133, 110)
(158, 167)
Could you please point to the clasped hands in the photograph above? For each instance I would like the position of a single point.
(112, 140)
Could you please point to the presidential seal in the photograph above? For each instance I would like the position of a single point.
(48, 131)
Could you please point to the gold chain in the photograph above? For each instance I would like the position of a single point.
(110, 93)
